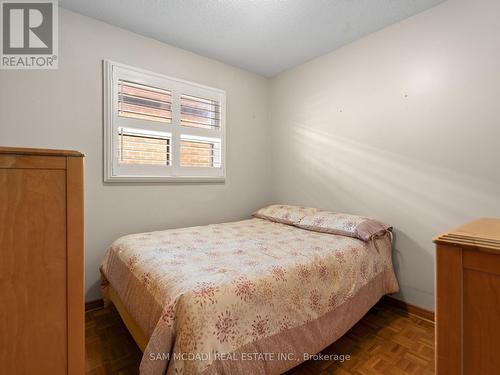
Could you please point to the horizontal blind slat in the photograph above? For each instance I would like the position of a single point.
(143, 149)
(144, 102)
(200, 112)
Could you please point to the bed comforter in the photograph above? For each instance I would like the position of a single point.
(251, 296)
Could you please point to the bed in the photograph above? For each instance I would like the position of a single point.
(253, 296)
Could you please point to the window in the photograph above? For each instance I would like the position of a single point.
(159, 128)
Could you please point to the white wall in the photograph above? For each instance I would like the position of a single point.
(402, 125)
(63, 109)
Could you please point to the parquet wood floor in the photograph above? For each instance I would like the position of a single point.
(386, 341)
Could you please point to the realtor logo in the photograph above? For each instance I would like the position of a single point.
(28, 34)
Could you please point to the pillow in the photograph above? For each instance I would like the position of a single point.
(281, 213)
(344, 224)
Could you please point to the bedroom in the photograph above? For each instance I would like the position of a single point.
(383, 109)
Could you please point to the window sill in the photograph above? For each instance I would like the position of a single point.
(166, 179)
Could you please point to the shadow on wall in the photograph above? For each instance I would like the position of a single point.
(419, 199)
(419, 255)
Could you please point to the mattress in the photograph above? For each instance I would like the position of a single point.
(252, 296)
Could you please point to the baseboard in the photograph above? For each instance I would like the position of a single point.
(408, 308)
(94, 305)
(385, 300)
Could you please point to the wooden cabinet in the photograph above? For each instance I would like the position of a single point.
(41, 262)
(468, 299)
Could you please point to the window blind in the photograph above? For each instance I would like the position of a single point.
(144, 102)
(199, 112)
(200, 153)
(162, 129)
(136, 148)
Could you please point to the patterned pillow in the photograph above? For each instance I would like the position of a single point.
(344, 224)
(282, 213)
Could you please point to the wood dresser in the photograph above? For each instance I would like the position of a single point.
(41, 262)
(468, 299)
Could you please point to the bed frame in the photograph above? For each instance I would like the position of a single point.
(132, 326)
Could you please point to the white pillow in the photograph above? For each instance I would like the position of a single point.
(344, 224)
(283, 213)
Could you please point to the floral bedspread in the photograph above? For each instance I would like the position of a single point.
(199, 293)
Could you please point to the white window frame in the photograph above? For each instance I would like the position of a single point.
(114, 172)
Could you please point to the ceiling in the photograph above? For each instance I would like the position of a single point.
(262, 36)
